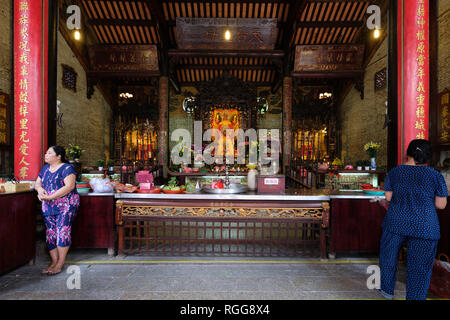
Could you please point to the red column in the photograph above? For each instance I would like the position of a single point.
(413, 73)
(30, 86)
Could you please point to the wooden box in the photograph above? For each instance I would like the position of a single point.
(271, 184)
(14, 187)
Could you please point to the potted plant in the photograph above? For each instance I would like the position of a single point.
(359, 164)
(100, 164)
(74, 152)
(366, 165)
(110, 165)
(372, 149)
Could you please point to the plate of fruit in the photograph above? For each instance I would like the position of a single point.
(172, 187)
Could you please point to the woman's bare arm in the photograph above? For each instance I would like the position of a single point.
(388, 195)
(69, 185)
(440, 202)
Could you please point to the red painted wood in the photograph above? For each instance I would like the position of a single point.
(17, 229)
(94, 225)
(355, 225)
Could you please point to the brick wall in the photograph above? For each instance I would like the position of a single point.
(5, 46)
(362, 120)
(86, 122)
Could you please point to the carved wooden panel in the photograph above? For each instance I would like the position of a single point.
(5, 120)
(69, 78)
(209, 33)
(328, 58)
(443, 125)
(380, 79)
(123, 58)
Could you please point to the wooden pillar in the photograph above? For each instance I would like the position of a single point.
(30, 41)
(287, 121)
(163, 134)
(413, 63)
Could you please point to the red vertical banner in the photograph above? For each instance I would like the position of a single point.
(29, 96)
(413, 73)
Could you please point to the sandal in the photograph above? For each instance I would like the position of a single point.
(44, 272)
(52, 273)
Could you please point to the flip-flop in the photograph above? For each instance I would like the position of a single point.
(44, 272)
(52, 273)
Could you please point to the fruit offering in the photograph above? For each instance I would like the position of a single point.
(218, 184)
(172, 185)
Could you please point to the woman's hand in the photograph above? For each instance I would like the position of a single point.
(46, 197)
(42, 194)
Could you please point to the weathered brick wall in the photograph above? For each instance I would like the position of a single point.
(5, 46)
(444, 45)
(86, 122)
(362, 120)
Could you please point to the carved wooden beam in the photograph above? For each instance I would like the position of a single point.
(225, 67)
(163, 30)
(295, 10)
(330, 74)
(223, 53)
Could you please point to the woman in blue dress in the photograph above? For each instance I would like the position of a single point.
(60, 200)
(414, 191)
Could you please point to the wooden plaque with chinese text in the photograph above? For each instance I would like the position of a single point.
(209, 33)
(443, 125)
(4, 119)
(123, 58)
(325, 58)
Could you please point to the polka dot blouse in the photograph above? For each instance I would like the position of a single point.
(412, 211)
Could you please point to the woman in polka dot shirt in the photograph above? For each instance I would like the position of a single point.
(414, 191)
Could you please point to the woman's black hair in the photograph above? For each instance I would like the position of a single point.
(60, 151)
(420, 150)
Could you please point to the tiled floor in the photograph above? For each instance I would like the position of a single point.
(218, 278)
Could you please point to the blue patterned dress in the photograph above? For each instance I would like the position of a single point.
(59, 213)
(411, 219)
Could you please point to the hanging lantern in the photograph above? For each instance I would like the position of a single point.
(189, 105)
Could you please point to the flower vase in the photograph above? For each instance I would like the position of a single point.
(251, 176)
(373, 164)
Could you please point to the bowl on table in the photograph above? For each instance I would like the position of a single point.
(374, 192)
(83, 190)
(82, 185)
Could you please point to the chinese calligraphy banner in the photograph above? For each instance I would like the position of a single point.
(4, 119)
(329, 58)
(123, 58)
(209, 33)
(413, 72)
(29, 79)
(443, 125)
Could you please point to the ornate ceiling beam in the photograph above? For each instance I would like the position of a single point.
(225, 67)
(329, 74)
(163, 31)
(279, 54)
(172, 23)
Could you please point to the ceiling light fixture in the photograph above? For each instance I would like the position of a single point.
(228, 35)
(376, 33)
(77, 35)
(126, 95)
